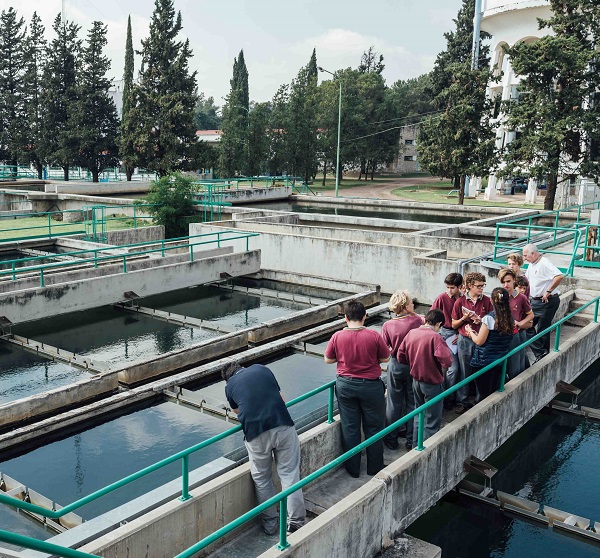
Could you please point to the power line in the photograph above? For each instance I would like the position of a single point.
(389, 130)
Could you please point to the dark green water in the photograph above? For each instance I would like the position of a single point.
(553, 459)
(23, 373)
(232, 308)
(429, 217)
(11, 255)
(111, 335)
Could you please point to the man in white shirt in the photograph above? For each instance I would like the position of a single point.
(544, 278)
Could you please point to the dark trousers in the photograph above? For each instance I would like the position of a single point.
(488, 382)
(433, 415)
(361, 401)
(517, 363)
(543, 314)
(400, 399)
(465, 353)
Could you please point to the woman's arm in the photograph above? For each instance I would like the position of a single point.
(481, 337)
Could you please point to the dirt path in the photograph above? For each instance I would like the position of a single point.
(382, 191)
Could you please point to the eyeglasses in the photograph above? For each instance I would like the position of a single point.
(480, 286)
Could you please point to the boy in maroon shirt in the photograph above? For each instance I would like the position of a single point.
(445, 302)
(358, 353)
(426, 352)
(468, 309)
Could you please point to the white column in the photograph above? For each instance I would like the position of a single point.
(490, 191)
(531, 192)
(471, 186)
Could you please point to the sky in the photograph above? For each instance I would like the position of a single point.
(277, 36)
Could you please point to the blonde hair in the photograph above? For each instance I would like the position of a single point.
(399, 301)
(517, 258)
(504, 272)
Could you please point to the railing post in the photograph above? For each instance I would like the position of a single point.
(14, 274)
(247, 243)
(191, 252)
(555, 225)
(330, 404)
(420, 432)
(596, 311)
(185, 478)
(134, 217)
(42, 281)
(557, 338)
(49, 226)
(95, 258)
(124, 264)
(283, 544)
(503, 375)
(529, 231)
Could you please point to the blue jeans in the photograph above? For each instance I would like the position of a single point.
(361, 401)
(433, 415)
(400, 398)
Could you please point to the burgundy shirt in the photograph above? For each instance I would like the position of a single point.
(481, 307)
(426, 352)
(519, 306)
(358, 352)
(445, 303)
(394, 331)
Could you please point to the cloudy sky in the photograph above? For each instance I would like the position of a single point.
(277, 35)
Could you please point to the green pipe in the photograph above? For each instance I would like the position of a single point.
(330, 402)
(557, 338)
(420, 432)
(34, 544)
(185, 478)
(503, 376)
(283, 544)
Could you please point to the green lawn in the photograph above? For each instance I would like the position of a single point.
(346, 183)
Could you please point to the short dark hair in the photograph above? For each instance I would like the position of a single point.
(434, 317)
(521, 281)
(454, 279)
(354, 310)
(230, 369)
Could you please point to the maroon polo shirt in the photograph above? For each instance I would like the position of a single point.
(394, 331)
(426, 352)
(445, 303)
(358, 352)
(519, 306)
(481, 307)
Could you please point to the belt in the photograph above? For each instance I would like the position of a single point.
(540, 298)
(355, 379)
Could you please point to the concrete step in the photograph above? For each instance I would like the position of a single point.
(585, 295)
(575, 304)
(580, 320)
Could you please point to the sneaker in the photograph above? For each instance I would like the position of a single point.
(292, 528)
(271, 532)
(460, 409)
(354, 475)
(390, 444)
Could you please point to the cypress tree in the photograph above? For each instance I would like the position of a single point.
(34, 60)
(58, 140)
(126, 151)
(163, 100)
(12, 106)
(94, 114)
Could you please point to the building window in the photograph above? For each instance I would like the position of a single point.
(408, 158)
(409, 141)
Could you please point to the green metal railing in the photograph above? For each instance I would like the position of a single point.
(280, 498)
(161, 246)
(51, 227)
(12, 172)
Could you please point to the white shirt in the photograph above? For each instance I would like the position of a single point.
(540, 275)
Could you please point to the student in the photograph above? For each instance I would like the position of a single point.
(269, 434)
(523, 317)
(469, 309)
(493, 340)
(445, 302)
(515, 263)
(522, 285)
(399, 382)
(426, 353)
(544, 278)
(358, 352)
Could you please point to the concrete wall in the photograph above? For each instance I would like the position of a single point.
(250, 195)
(33, 304)
(97, 188)
(132, 236)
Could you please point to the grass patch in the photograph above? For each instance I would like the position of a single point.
(348, 182)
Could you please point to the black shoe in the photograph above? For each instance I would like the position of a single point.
(408, 446)
(540, 358)
(292, 528)
(354, 475)
(391, 445)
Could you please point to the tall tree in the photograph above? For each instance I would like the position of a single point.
(33, 62)
(12, 70)
(301, 133)
(58, 143)
(460, 141)
(207, 114)
(236, 112)
(277, 162)
(128, 124)
(163, 100)
(371, 61)
(95, 119)
(557, 113)
(258, 139)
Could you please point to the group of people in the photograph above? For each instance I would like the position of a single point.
(463, 332)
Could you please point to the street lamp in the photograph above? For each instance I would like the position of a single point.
(337, 166)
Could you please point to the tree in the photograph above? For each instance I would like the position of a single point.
(557, 113)
(460, 141)
(171, 198)
(207, 114)
(12, 70)
(236, 112)
(163, 100)
(128, 125)
(277, 161)
(33, 63)
(371, 61)
(58, 142)
(258, 139)
(95, 119)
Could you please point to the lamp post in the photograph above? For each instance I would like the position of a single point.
(337, 164)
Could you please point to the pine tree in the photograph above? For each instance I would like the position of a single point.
(94, 115)
(163, 100)
(58, 141)
(558, 109)
(460, 141)
(33, 62)
(236, 113)
(12, 70)
(277, 161)
(258, 139)
(126, 149)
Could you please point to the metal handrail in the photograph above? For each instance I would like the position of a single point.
(281, 498)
